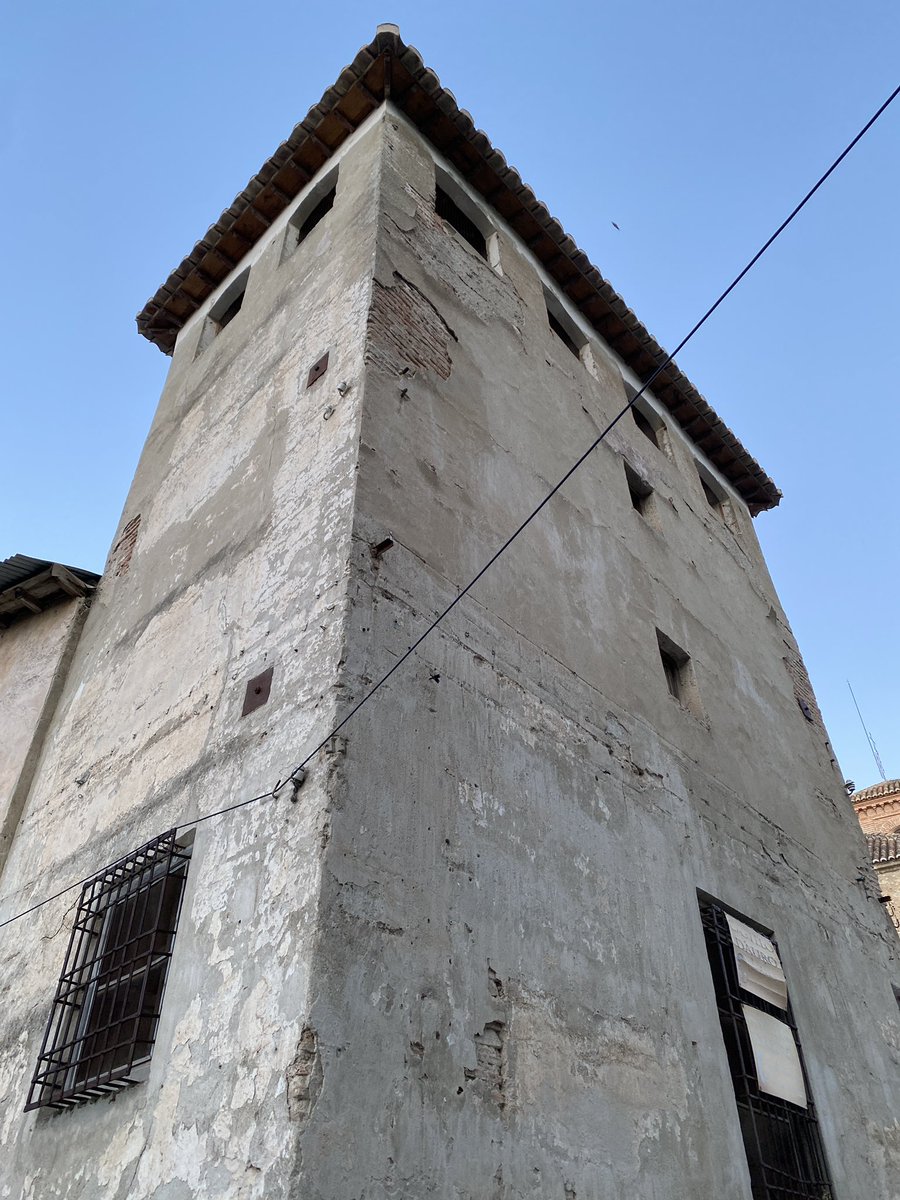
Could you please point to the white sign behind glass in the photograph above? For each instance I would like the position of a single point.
(758, 965)
(775, 1055)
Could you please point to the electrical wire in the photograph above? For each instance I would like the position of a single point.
(296, 775)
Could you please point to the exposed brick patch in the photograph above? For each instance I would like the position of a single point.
(802, 686)
(304, 1077)
(124, 548)
(489, 1073)
(404, 326)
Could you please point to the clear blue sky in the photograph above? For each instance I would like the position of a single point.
(125, 129)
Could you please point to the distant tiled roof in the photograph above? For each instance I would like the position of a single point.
(29, 585)
(884, 847)
(888, 787)
(388, 69)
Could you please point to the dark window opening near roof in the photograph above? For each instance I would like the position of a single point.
(448, 210)
(713, 499)
(108, 1000)
(644, 425)
(563, 334)
(638, 489)
(231, 311)
(316, 214)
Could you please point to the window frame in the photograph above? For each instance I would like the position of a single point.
(112, 941)
(764, 1118)
(311, 212)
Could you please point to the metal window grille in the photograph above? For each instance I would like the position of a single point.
(449, 211)
(781, 1140)
(106, 1009)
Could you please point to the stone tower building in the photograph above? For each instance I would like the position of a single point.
(574, 907)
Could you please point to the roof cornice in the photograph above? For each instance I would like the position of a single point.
(388, 69)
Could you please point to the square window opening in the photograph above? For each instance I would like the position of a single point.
(448, 210)
(678, 669)
(563, 327)
(640, 491)
(103, 1023)
(644, 426)
(717, 499)
(648, 421)
(224, 310)
(310, 212)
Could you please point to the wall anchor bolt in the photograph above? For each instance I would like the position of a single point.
(343, 388)
(296, 781)
(328, 412)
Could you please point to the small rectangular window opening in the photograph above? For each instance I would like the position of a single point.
(716, 499)
(324, 206)
(224, 310)
(228, 314)
(679, 673)
(567, 332)
(448, 210)
(562, 333)
(639, 490)
(712, 498)
(310, 212)
(644, 426)
(108, 1001)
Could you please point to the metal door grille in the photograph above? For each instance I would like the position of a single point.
(782, 1142)
(107, 1003)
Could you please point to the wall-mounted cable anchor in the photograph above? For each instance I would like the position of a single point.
(296, 780)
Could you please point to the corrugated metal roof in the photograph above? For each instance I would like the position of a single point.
(19, 568)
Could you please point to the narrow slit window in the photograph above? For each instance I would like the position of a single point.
(645, 427)
(717, 499)
(639, 490)
(777, 1116)
(310, 213)
(679, 674)
(712, 499)
(448, 210)
(324, 206)
(228, 314)
(106, 1010)
(563, 334)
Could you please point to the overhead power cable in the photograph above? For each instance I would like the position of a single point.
(295, 777)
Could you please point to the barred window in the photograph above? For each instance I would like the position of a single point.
(107, 1004)
(781, 1137)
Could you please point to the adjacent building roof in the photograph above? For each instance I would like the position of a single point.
(388, 69)
(878, 791)
(884, 847)
(30, 585)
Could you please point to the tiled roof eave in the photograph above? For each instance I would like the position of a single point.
(389, 69)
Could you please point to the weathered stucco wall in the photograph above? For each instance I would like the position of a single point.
(35, 655)
(232, 557)
(514, 997)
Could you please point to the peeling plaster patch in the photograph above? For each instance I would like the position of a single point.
(482, 804)
(123, 1149)
(405, 326)
(489, 1073)
(304, 1078)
